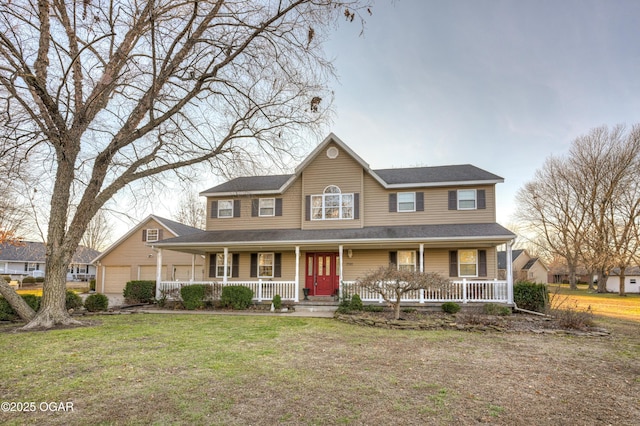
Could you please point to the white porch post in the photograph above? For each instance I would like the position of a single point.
(422, 258)
(340, 251)
(226, 260)
(193, 267)
(509, 273)
(296, 296)
(158, 272)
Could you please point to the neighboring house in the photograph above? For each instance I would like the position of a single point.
(335, 219)
(133, 257)
(28, 259)
(631, 280)
(525, 267)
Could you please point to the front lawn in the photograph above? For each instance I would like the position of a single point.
(606, 304)
(220, 369)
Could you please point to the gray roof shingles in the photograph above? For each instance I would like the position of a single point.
(426, 232)
(502, 258)
(29, 251)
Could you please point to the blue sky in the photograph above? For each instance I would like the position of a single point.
(498, 84)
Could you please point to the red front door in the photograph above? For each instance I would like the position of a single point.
(322, 277)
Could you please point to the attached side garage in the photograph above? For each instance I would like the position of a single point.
(115, 278)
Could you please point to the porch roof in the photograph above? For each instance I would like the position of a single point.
(387, 236)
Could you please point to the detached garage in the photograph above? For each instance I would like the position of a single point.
(631, 280)
(133, 257)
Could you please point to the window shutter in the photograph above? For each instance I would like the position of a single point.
(453, 200)
(236, 208)
(254, 265)
(235, 265)
(419, 201)
(144, 236)
(212, 265)
(255, 206)
(393, 202)
(278, 211)
(160, 234)
(482, 263)
(356, 205)
(277, 265)
(307, 207)
(214, 209)
(453, 263)
(482, 199)
(393, 258)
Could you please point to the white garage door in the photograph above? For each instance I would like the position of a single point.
(183, 273)
(115, 278)
(149, 272)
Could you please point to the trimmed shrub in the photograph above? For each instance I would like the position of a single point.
(193, 296)
(495, 309)
(92, 285)
(277, 302)
(72, 300)
(139, 291)
(96, 302)
(8, 314)
(531, 296)
(356, 303)
(450, 307)
(28, 280)
(236, 297)
(373, 308)
(39, 280)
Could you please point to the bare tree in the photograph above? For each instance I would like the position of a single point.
(98, 233)
(391, 284)
(105, 93)
(192, 211)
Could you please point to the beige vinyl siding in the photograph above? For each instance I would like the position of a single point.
(436, 206)
(290, 218)
(148, 272)
(435, 260)
(288, 266)
(183, 273)
(343, 172)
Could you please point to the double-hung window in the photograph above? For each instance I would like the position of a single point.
(267, 207)
(265, 265)
(332, 204)
(225, 208)
(406, 201)
(220, 265)
(152, 235)
(406, 260)
(466, 199)
(468, 263)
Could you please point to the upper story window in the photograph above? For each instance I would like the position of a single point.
(406, 260)
(332, 204)
(406, 201)
(466, 199)
(267, 207)
(225, 208)
(152, 235)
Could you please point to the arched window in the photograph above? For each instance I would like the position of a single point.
(332, 204)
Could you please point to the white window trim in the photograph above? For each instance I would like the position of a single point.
(398, 209)
(415, 257)
(475, 199)
(340, 207)
(273, 207)
(273, 261)
(157, 235)
(219, 209)
(221, 265)
(460, 274)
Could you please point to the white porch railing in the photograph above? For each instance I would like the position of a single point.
(262, 290)
(458, 291)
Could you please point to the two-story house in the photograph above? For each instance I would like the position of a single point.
(335, 219)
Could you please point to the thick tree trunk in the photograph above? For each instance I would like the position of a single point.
(590, 279)
(53, 311)
(623, 277)
(18, 304)
(573, 282)
(602, 281)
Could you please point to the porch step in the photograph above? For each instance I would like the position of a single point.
(317, 304)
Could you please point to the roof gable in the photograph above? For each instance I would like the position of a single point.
(177, 229)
